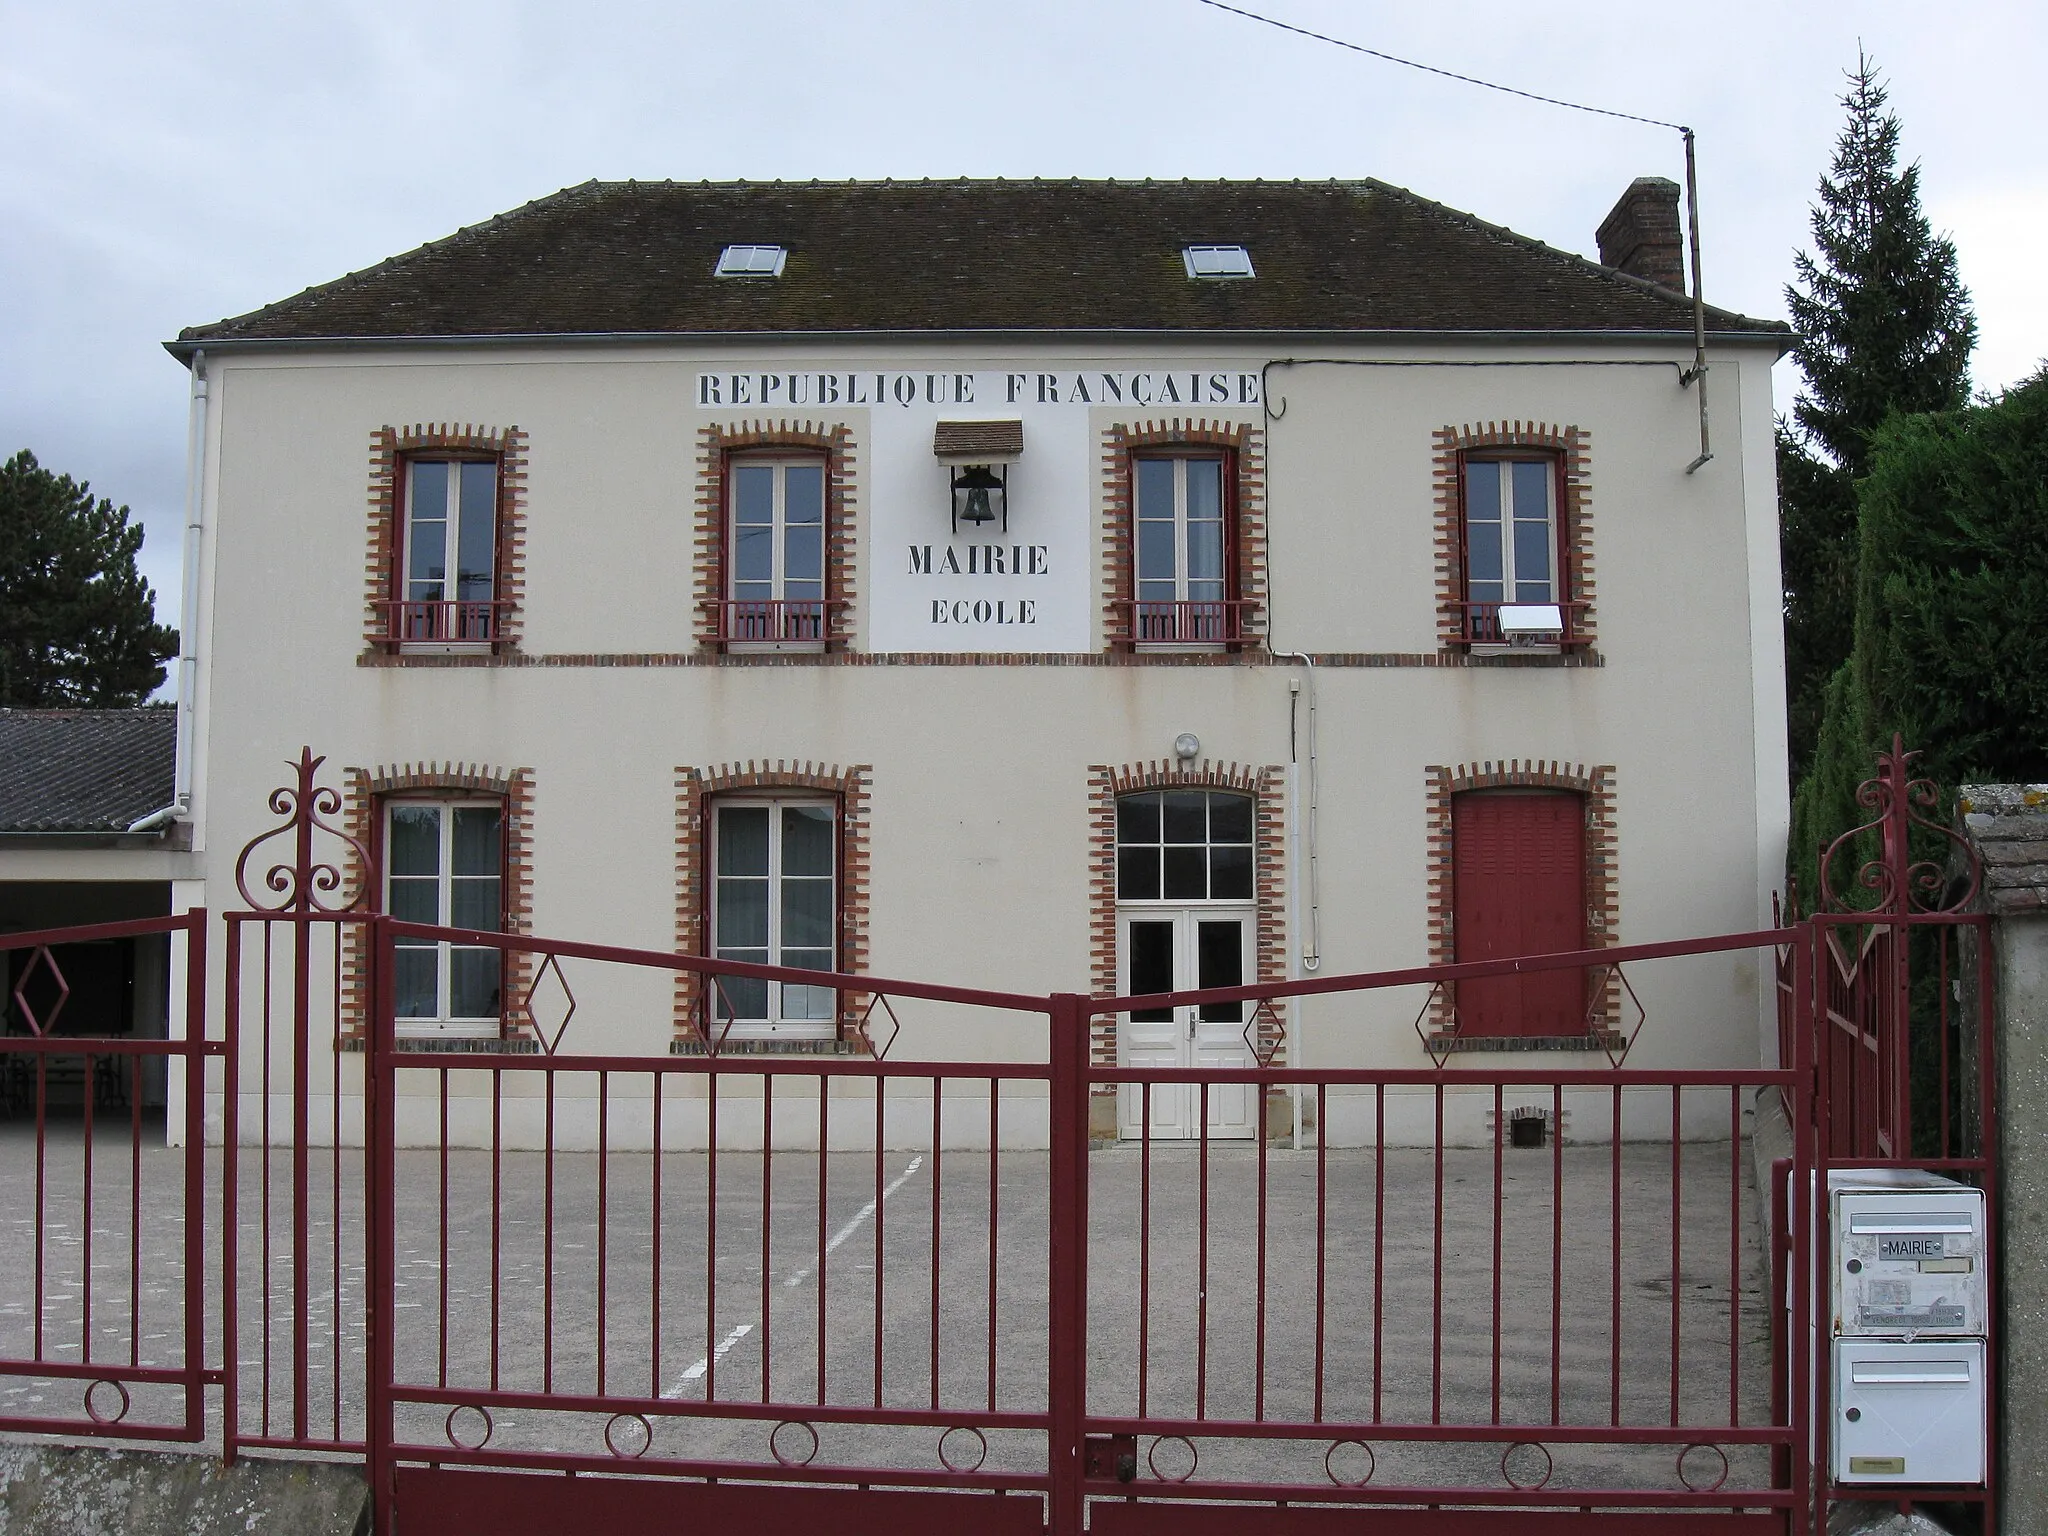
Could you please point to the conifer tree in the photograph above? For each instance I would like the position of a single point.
(1884, 325)
(77, 621)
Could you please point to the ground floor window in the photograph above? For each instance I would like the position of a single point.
(774, 901)
(444, 865)
(1519, 888)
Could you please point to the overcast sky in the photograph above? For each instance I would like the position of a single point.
(167, 165)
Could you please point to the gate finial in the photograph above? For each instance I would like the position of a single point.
(300, 884)
(1902, 884)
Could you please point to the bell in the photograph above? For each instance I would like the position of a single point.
(972, 502)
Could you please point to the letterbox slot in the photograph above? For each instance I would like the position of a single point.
(1898, 1373)
(1878, 1223)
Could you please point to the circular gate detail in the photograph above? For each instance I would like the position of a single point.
(775, 1443)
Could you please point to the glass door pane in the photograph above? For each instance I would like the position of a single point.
(1151, 967)
(805, 909)
(412, 859)
(739, 918)
(1219, 962)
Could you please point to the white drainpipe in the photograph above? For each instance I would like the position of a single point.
(188, 609)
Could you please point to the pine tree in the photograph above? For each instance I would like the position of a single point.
(1884, 325)
(77, 621)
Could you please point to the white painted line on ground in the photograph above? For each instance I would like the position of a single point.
(697, 1372)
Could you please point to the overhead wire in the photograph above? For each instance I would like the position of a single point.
(1694, 377)
(1448, 74)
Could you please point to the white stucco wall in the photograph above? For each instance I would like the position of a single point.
(980, 783)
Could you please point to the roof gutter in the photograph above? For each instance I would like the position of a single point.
(165, 838)
(186, 352)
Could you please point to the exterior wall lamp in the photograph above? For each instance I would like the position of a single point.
(977, 456)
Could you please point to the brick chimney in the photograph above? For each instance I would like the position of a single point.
(1641, 235)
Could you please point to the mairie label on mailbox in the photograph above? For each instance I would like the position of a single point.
(1917, 1246)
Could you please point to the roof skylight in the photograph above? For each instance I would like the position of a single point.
(1218, 261)
(751, 261)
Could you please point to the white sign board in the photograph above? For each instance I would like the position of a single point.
(1025, 588)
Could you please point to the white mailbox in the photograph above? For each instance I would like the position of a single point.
(1909, 1413)
(1908, 1254)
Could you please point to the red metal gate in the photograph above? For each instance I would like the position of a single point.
(104, 1331)
(587, 1274)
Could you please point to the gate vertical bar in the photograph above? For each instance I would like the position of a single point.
(380, 1228)
(1984, 1023)
(302, 1030)
(195, 1192)
(230, 1175)
(1066, 1360)
(1808, 1116)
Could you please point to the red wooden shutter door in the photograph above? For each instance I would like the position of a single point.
(1519, 885)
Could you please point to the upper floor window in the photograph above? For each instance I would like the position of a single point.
(1184, 558)
(774, 902)
(444, 867)
(775, 590)
(448, 564)
(1512, 550)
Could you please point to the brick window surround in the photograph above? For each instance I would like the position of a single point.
(1267, 787)
(717, 444)
(383, 573)
(697, 790)
(365, 791)
(1572, 447)
(1603, 896)
(1243, 446)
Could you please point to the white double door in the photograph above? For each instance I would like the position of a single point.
(1184, 949)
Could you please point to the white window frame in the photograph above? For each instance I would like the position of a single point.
(1182, 581)
(776, 1025)
(751, 261)
(1508, 505)
(1163, 901)
(778, 582)
(445, 1024)
(450, 519)
(1217, 263)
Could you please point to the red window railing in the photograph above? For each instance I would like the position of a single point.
(766, 621)
(1482, 622)
(434, 621)
(1218, 622)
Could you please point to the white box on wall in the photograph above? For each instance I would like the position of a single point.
(1908, 1255)
(1909, 1413)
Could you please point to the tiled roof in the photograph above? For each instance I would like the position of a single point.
(84, 770)
(964, 439)
(636, 258)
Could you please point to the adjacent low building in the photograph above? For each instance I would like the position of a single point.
(88, 836)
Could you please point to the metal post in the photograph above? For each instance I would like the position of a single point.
(379, 1231)
(1809, 1115)
(1697, 374)
(1067, 1376)
(230, 1200)
(195, 1183)
(1987, 1149)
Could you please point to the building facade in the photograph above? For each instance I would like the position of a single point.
(1034, 586)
